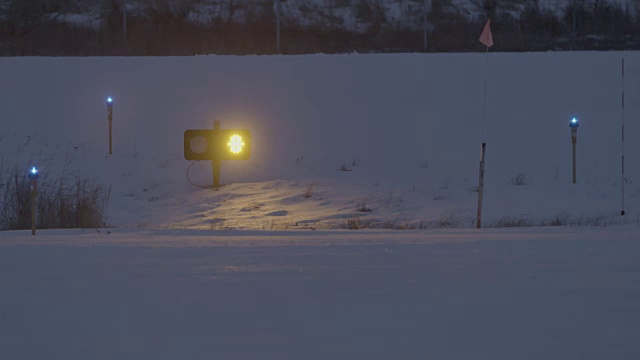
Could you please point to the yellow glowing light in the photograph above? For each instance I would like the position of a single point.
(235, 144)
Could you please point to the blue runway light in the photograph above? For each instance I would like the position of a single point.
(109, 100)
(574, 122)
(33, 173)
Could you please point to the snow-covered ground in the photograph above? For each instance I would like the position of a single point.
(261, 268)
(554, 293)
(407, 126)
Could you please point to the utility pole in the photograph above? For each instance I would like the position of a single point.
(124, 26)
(278, 26)
(424, 15)
(573, 31)
(623, 179)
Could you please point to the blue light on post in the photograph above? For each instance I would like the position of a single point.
(574, 123)
(33, 173)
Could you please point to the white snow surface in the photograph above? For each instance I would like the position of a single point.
(409, 127)
(553, 293)
(239, 273)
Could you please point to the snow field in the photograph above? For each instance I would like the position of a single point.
(406, 126)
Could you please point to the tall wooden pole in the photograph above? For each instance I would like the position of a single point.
(424, 20)
(278, 26)
(124, 27)
(483, 149)
(622, 180)
(481, 186)
(573, 30)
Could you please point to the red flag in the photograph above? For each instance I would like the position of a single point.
(486, 37)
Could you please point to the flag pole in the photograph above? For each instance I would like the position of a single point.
(484, 104)
(622, 143)
(483, 148)
(487, 39)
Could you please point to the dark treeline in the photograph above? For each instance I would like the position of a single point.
(160, 27)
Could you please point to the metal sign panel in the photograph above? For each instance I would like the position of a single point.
(225, 144)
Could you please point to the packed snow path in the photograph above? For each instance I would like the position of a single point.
(282, 296)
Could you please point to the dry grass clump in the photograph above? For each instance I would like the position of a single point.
(60, 203)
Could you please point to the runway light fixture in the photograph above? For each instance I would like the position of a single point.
(574, 122)
(33, 173)
(235, 144)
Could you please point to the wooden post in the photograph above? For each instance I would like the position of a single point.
(574, 140)
(481, 186)
(216, 164)
(110, 118)
(574, 163)
(110, 132)
(34, 191)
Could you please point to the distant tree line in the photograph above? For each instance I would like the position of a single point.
(167, 27)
